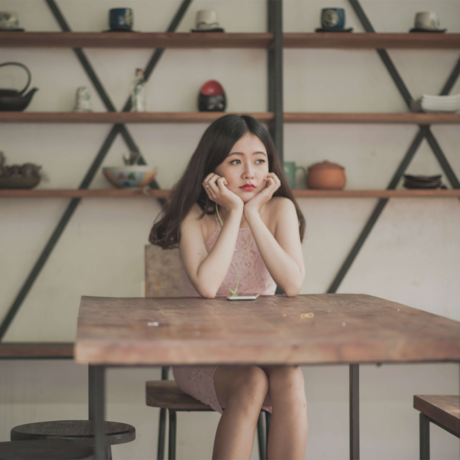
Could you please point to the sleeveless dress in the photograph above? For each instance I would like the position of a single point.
(247, 262)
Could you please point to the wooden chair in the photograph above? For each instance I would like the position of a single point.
(443, 411)
(44, 450)
(162, 279)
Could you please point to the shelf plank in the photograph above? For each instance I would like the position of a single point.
(374, 118)
(33, 350)
(228, 40)
(208, 117)
(134, 40)
(149, 193)
(104, 193)
(372, 40)
(121, 117)
(377, 193)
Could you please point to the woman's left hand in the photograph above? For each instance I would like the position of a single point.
(272, 184)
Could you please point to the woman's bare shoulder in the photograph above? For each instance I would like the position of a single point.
(278, 204)
(194, 212)
(205, 223)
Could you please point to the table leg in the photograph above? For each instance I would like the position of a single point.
(96, 398)
(354, 411)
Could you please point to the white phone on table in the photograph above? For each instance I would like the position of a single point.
(243, 297)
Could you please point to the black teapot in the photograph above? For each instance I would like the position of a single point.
(12, 100)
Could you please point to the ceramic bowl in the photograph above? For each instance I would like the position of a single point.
(19, 182)
(136, 176)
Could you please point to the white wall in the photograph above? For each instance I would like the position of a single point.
(412, 255)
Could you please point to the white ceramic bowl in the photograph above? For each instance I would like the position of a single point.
(136, 176)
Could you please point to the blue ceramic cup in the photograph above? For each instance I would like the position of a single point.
(332, 18)
(121, 18)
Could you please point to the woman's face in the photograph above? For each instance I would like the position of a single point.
(247, 163)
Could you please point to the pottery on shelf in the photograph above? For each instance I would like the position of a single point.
(212, 97)
(326, 176)
(83, 100)
(9, 22)
(206, 21)
(12, 100)
(18, 176)
(131, 177)
(423, 182)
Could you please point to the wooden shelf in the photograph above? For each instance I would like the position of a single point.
(377, 193)
(228, 40)
(134, 40)
(117, 193)
(33, 350)
(375, 118)
(120, 117)
(372, 41)
(109, 193)
(208, 117)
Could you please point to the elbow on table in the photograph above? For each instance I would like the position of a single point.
(292, 292)
(292, 289)
(207, 293)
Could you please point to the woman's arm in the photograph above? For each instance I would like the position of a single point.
(207, 271)
(281, 253)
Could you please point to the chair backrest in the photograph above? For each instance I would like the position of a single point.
(162, 272)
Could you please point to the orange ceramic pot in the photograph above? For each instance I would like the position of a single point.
(326, 176)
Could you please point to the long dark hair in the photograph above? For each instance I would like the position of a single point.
(214, 146)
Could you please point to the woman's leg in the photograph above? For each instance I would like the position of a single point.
(288, 428)
(241, 390)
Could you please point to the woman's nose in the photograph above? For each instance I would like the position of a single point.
(248, 173)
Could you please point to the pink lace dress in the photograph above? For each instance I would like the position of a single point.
(198, 381)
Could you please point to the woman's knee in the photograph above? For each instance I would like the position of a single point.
(250, 385)
(287, 382)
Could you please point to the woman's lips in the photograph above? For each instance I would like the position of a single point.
(248, 188)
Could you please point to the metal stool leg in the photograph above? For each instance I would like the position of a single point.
(268, 418)
(109, 453)
(424, 437)
(261, 437)
(162, 421)
(172, 435)
(161, 435)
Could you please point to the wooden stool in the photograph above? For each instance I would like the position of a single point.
(162, 279)
(44, 450)
(443, 411)
(77, 431)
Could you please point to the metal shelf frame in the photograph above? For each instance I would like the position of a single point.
(275, 122)
(97, 162)
(423, 133)
(276, 125)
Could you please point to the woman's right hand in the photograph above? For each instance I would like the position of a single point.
(215, 187)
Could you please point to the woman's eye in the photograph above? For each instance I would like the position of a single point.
(258, 162)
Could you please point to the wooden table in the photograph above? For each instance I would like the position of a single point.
(308, 329)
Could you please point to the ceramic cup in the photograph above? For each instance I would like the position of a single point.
(206, 20)
(121, 18)
(9, 20)
(290, 170)
(428, 20)
(83, 100)
(332, 18)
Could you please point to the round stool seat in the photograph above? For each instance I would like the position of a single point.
(44, 450)
(73, 430)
